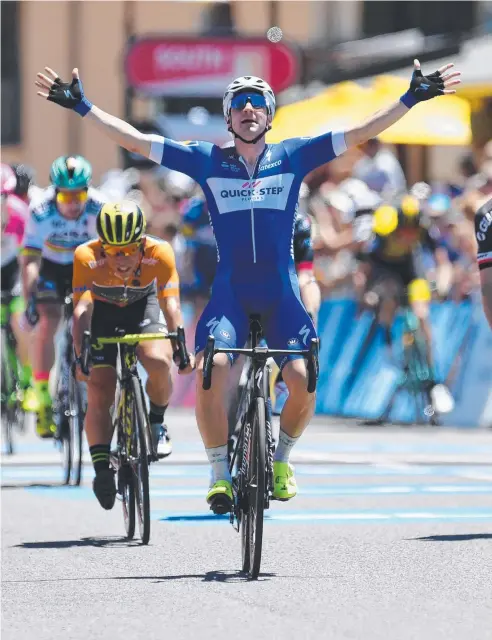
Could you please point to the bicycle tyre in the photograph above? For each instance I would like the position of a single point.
(76, 427)
(8, 411)
(141, 471)
(256, 482)
(126, 483)
(66, 445)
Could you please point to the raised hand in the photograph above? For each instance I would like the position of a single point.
(427, 87)
(69, 96)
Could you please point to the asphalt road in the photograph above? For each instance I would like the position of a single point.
(390, 537)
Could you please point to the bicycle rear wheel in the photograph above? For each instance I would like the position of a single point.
(254, 485)
(140, 462)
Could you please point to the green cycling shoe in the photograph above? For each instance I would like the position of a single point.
(219, 497)
(284, 481)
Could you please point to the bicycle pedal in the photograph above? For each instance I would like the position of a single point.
(220, 505)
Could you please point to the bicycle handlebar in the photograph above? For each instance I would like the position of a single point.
(310, 354)
(133, 339)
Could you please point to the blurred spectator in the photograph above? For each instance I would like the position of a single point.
(380, 169)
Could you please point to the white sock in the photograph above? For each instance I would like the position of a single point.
(219, 460)
(284, 446)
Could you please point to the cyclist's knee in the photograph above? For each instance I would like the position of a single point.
(101, 387)
(155, 360)
(49, 317)
(295, 376)
(220, 370)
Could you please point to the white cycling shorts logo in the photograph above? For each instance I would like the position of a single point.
(232, 194)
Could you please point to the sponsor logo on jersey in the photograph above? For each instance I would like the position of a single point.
(270, 192)
(251, 191)
(232, 167)
(93, 264)
(264, 167)
(483, 226)
(225, 334)
(149, 261)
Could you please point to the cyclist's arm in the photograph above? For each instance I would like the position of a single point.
(168, 285)
(121, 132)
(82, 316)
(486, 284)
(375, 124)
(30, 258)
(185, 157)
(310, 292)
(82, 295)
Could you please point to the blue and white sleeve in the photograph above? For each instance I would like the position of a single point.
(192, 158)
(307, 154)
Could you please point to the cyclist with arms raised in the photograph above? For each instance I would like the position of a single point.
(61, 220)
(252, 190)
(124, 279)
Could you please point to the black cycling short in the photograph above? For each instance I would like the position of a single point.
(11, 278)
(143, 316)
(391, 279)
(54, 282)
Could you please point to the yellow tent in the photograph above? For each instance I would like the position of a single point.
(441, 121)
(338, 107)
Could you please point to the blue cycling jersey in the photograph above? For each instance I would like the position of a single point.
(252, 214)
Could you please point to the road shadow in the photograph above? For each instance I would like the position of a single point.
(209, 576)
(456, 537)
(35, 485)
(110, 541)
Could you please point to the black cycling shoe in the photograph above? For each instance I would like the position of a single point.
(104, 488)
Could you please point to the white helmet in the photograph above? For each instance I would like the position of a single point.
(244, 83)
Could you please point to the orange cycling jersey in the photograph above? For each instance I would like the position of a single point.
(155, 273)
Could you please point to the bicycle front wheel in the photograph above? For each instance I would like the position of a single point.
(252, 517)
(76, 427)
(140, 462)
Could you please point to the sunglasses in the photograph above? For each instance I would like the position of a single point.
(117, 252)
(69, 197)
(256, 100)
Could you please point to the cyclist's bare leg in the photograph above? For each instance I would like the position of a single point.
(211, 414)
(100, 396)
(22, 338)
(43, 350)
(299, 406)
(156, 359)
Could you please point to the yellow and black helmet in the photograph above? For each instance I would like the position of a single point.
(120, 223)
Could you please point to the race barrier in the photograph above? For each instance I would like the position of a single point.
(349, 386)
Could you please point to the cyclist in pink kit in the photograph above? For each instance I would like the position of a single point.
(14, 218)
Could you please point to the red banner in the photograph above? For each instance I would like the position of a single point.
(204, 66)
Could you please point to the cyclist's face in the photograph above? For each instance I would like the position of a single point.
(71, 203)
(249, 121)
(123, 266)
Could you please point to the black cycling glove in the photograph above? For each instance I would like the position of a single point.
(423, 88)
(70, 96)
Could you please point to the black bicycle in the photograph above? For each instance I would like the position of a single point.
(135, 448)
(251, 463)
(12, 414)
